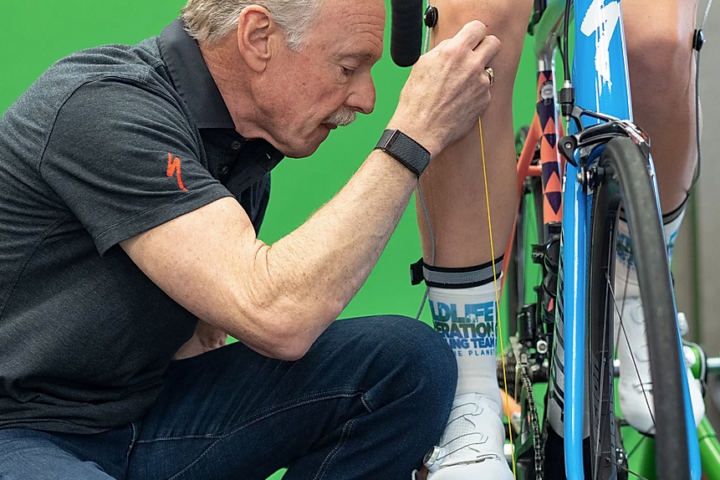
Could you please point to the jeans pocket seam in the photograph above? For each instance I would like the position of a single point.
(287, 407)
(365, 399)
(263, 415)
(133, 440)
(343, 437)
(196, 460)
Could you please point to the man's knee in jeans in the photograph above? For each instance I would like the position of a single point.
(419, 364)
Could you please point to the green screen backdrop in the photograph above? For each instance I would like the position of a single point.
(36, 33)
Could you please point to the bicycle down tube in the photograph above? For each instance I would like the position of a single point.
(601, 84)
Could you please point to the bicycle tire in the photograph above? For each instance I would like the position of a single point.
(623, 174)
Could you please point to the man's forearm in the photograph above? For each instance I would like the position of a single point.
(310, 275)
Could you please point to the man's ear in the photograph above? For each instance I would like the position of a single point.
(258, 37)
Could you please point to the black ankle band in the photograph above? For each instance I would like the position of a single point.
(669, 217)
(455, 278)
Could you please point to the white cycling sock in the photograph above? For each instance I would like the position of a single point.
(635, 386)
(467, 319)
(464, 311)
(626, 282)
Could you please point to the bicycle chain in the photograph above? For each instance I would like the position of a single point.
(521, 370)
(534, 423)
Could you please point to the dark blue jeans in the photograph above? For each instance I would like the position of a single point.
(366, 402)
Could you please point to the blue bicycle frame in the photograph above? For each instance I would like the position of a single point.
(601, 83)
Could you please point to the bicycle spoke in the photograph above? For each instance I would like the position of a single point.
(623, 467)
(622, 307)
(629, 455)
(632, 356)
(637, 445)
(637, 475)
(642, 386)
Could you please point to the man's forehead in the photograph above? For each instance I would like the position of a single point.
(352, 28)
(377, 5)
(356, 14)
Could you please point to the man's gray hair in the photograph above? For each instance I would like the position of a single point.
(209, 21)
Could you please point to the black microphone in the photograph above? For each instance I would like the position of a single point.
(406, 32)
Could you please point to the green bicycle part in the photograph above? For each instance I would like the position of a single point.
(641, 454)
(504, 317)
(695, 367)
(709, 450)
(533, 271)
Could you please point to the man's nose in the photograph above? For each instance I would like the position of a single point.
(363, 96)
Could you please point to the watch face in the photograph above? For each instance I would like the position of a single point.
(392, 136)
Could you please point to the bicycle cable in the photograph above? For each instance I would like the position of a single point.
(422, 199)
(427, 31)
(566, 37)
(696, 175)
(432, 245)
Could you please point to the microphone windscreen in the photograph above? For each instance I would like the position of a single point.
(406, 31)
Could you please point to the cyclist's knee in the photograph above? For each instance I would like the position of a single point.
(659, 51)
(504, 18)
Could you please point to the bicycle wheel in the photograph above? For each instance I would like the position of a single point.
(622, 173)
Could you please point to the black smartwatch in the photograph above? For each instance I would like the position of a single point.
(405, 150)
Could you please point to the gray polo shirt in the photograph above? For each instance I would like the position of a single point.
(108, 143)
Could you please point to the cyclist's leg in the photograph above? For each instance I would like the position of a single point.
(455, 200)
(662, 77)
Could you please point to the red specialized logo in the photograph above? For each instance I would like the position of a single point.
(173, 168)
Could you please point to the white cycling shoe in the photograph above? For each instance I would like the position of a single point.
(471, 447)
(635, 386)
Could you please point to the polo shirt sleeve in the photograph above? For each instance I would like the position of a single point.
(123, 157)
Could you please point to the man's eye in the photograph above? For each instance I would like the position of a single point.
(347, 71)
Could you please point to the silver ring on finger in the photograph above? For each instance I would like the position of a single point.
(491, 75)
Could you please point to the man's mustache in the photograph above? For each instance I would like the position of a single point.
(341, 117)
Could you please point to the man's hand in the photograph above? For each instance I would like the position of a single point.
(448, 89)
(206, 338)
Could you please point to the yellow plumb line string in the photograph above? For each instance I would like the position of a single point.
(497, 297)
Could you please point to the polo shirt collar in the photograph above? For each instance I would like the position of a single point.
(192, 79)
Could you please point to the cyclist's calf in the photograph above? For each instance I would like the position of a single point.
(662, 73)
